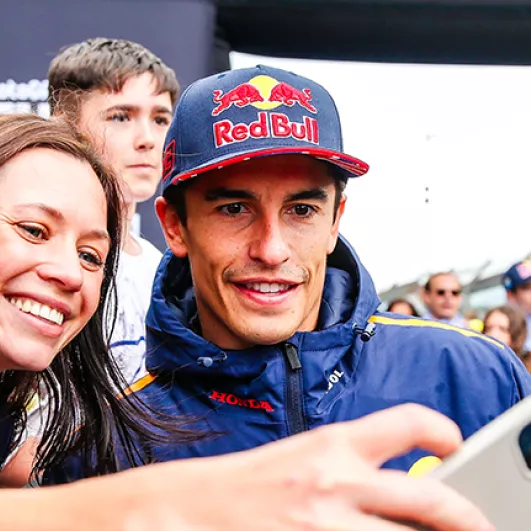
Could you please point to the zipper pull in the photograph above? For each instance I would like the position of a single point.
(292, 356)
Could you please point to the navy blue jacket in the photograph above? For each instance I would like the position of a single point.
(357, 361)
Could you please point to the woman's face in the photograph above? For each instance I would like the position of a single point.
(497, 326)
(53, 246)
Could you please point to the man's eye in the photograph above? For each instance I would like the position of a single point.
(233, 209)
(303, 211)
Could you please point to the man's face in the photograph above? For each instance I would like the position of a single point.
(258, 234)
(444, 298)
(129, 128)
(521, 297)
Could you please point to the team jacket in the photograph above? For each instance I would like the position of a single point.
(357, 361)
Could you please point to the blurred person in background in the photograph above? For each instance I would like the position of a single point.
(508, 324)
(517, 283)
(443, 296)
(402, 306)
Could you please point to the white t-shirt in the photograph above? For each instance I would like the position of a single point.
(134, 284)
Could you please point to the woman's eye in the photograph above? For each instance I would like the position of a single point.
(233, 209)
(34, 231)
(91, 258)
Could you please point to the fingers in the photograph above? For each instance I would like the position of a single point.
(425, 501)
(386, 434)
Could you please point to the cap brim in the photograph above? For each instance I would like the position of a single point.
(351, 166)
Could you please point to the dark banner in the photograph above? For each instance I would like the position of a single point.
(181, 32)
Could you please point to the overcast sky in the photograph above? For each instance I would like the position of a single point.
(462, 132)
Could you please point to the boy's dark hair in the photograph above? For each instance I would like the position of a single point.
(102, 64)
(175, 195)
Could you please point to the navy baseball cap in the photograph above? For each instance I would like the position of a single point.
(517, 275)
(253, 112)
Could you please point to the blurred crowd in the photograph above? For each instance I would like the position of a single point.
(510, 323)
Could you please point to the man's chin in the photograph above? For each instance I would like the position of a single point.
(268, 336)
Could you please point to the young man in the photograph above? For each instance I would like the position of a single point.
(121, 96)
(262, 322)
(517, 283)
(443, 296)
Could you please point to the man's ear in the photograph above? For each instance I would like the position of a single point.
(171, 226)
(334, 233)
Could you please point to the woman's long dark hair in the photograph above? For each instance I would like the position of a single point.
(85, 415)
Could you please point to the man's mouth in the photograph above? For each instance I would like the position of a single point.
(37, 309)
(268, 287)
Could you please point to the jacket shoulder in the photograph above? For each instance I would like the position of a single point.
(468, 354)
(428, 329)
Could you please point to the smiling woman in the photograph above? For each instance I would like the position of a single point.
(60, 231)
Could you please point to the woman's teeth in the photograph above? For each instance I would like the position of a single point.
(38, 309)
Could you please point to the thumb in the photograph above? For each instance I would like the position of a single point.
(381, 436)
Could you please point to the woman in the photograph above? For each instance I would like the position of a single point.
(508, 325)
(402, 306)
(60, 212)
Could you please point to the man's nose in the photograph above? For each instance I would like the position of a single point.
(269, 244)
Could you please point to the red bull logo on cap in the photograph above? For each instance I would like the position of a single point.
(264, 93)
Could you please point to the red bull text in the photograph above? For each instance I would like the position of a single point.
(268, 125)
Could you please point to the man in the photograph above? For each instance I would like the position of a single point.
(517, 283)
(121, 96)
(262, 322)
(442, 296)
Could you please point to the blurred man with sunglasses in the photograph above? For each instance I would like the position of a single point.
(443, 295)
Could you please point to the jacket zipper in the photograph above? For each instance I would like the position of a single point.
(294, 393)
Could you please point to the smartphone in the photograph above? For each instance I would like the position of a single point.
(493, 469)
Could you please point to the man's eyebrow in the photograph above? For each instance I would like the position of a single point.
(315, 193)
(59, 217)
(228, 193)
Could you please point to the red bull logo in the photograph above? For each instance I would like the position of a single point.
(268, 125)
(265, 93)
(241, 96)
